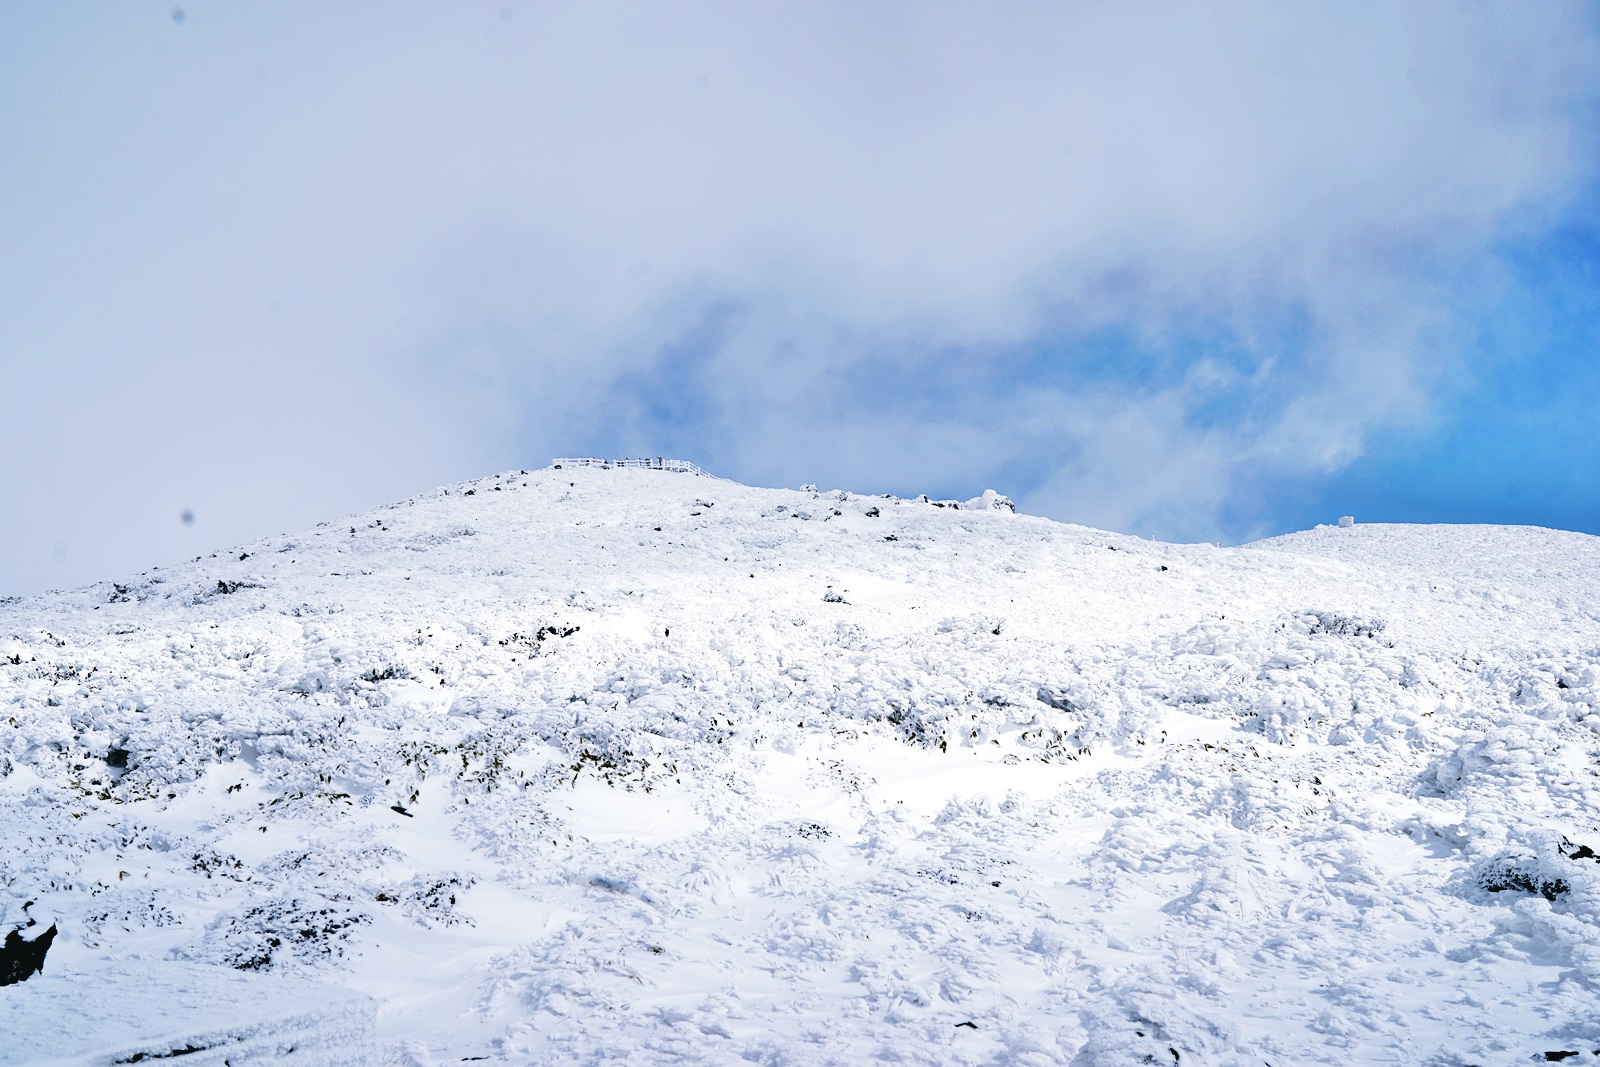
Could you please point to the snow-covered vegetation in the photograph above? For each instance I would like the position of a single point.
(592, 766)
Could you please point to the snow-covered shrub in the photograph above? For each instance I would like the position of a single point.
(286, 931)
(429, 900)
(1522, 871)
(1508, 754)
(129, 909)
(1331, 622)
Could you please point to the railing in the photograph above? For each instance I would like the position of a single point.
(657, 464)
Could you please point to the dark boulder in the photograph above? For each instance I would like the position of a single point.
(21, 959)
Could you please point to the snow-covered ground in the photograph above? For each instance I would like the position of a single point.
(133, 1012)
(593, 766)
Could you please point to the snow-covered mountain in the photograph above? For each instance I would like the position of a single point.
(596, 766)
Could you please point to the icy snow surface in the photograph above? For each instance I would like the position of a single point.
(592, 766)
(211, 1016)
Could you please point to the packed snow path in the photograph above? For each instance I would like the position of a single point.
(592, 766)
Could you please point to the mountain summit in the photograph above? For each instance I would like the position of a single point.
(597, 765)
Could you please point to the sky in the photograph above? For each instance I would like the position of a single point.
(1194, 272)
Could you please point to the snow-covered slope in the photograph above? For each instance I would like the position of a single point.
(602, 765)
(134, 1012)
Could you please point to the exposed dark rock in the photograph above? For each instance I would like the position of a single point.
(21, 959)
(1574, 851)
(187, 1050)
(1056, 699)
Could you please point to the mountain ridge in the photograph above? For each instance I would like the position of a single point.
(656, 766)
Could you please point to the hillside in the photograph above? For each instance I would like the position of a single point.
(577, 766)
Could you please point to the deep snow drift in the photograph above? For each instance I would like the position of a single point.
(578, 766)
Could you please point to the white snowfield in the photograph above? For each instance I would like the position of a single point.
(630, 766)
(210, 1016)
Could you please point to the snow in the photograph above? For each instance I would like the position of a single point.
(211, 1016)
(584, 766)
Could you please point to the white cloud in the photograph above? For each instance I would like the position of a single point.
(291, 260)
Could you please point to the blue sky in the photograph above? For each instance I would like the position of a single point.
(1195, 274)
(1515, 437)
